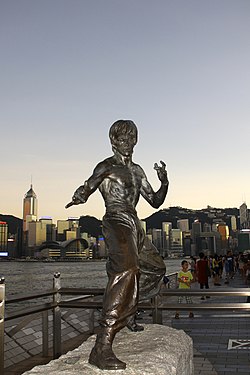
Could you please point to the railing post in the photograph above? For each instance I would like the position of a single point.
(157, 314)
(57, 350)
(91, 319)
(45, 330)
(2, 303)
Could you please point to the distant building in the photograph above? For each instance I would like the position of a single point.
(144, 225)
(29, 207)
(207, 227)
(36, 234)
(176, 242)
(234, 223)
(29, 215)
(68, 229)
(183, 225)
(244, 240)
(157, 239)
(3, 239)
(224, 233)
(244, 220)
(74, 249)
(166, 237)
(196, 229)
(208, 243)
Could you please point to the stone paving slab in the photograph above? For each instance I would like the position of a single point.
(211, 333)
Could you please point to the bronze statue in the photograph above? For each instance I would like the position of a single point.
(121, 182)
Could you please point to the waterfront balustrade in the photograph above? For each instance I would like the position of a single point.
(2, 303)
(91, 299)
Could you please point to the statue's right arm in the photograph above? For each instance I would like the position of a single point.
(83, 192)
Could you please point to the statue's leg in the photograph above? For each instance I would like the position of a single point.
(131, 323)
(121, 295)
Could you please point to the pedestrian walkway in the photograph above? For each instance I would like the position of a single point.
(221, 340)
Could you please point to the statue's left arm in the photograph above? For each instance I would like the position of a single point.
(156, 199)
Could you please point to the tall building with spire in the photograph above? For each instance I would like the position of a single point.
(29, 208)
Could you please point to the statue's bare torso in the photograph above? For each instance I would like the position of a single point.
(121, 185)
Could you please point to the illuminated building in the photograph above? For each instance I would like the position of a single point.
(68, 229)
(233, 223)
(224, 233)
(36, 233)
(3, 238)
(29, 207)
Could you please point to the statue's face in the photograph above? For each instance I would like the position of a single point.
(124, 144)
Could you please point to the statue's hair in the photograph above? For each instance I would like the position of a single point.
(122, 127)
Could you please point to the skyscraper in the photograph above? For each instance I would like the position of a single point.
(29, 208)
(183, 225)
(243, 216)
(3, 238)
(167, 235)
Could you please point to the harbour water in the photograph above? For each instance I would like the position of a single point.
(24, 277)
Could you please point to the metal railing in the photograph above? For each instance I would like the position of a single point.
(2, 302)
(89, 298)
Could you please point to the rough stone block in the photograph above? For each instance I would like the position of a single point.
(157, 350)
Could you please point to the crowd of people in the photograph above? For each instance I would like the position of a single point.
(219, 268)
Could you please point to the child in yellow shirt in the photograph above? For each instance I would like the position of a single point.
(185, 278)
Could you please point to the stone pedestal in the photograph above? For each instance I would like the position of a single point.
(157, 350)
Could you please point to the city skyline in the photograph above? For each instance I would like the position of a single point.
(30, 198)
(179, 70)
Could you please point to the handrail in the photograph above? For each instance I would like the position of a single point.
(2, 303)
(85, 298)
(91, 291)
(206, 306)
(32, 295)
(29, 311)
(211, 292)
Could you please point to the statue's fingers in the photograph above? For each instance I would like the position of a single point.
(163, 164)
(156, 166)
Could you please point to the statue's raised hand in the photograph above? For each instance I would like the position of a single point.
(161, 172)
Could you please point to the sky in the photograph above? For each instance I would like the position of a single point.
(70, 68)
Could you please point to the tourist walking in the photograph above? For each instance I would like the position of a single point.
(216, 270)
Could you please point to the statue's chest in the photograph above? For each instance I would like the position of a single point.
(124, 176)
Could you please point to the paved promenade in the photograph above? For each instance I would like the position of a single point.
(221, 339)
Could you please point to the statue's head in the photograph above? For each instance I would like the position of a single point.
(123, 136)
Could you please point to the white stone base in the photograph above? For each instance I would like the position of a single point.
(157, 350)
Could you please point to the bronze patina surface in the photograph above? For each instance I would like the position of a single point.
(121, 182)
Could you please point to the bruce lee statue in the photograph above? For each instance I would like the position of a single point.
(121, 182)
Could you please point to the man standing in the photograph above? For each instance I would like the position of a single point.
(202, 271)
(121, 182)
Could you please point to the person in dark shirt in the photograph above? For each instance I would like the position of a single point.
(202, 272)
